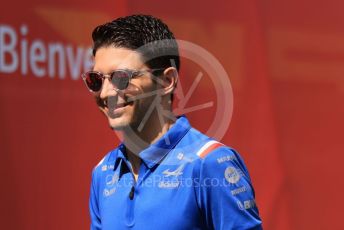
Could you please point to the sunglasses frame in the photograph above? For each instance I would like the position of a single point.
(131, 73)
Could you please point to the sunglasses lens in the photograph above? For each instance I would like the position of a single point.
(120, 79)
(93, 81)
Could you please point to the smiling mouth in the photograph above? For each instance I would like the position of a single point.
(115, 109)
(120, 105)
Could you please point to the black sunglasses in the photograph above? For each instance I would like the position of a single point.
(120, 78)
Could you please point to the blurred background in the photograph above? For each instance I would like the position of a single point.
(285, 62)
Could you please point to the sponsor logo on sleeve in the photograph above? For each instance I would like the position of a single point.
(238, 190)
(248, 204)
(240, 206)
(225, 158)
(232, 175)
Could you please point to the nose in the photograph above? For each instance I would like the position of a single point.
(107, 90)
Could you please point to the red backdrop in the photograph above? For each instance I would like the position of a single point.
(284, 59)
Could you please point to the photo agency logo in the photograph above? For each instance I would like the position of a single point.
(208, 66)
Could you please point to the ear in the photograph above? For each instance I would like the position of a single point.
(169, 80)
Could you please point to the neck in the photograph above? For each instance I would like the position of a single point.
(136, 139)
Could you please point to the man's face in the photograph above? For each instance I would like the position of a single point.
(121, 111)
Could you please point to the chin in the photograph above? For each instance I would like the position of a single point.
(122, 123)
(118, 123)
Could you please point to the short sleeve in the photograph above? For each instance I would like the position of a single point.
(226, 195)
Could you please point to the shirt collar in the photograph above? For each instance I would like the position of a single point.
(120, 155)
(158, 150)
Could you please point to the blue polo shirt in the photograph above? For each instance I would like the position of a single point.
(186, 181)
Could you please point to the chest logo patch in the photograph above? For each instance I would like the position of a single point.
(177, 172)
(111, 180)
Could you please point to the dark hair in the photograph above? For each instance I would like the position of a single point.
(160, 49)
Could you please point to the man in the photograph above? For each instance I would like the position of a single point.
(164, 174)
